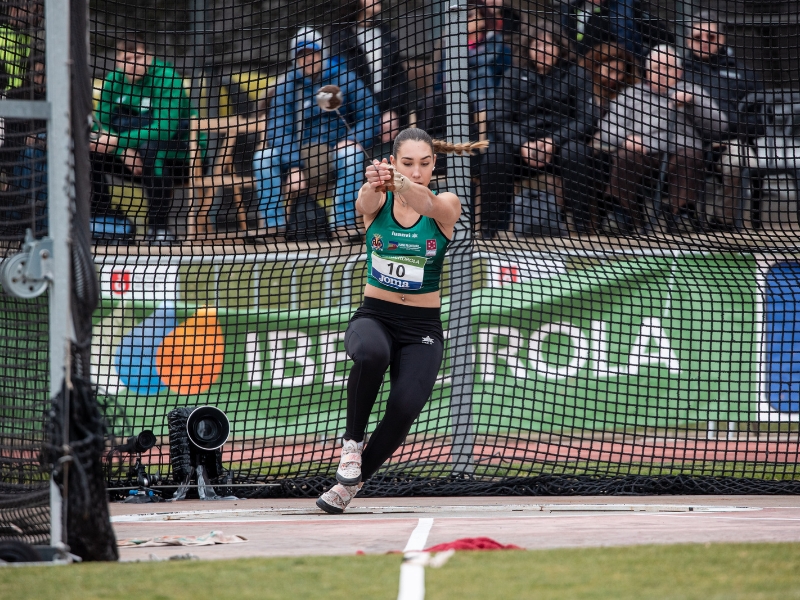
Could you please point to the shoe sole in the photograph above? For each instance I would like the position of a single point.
(345, 481)
(331, 510)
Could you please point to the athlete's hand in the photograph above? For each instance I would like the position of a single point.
(380, 176)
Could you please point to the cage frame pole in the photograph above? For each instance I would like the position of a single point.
(59, 194)
(462, 363)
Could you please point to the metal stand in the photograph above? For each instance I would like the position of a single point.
(59, 205)
(462, 361)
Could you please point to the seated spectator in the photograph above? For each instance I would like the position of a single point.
(371, 51)
(488, 60)
(611, 68)
(541, 107)
(590, 22)
(712, 65)
(301, 135)
(660, 116)
(141, 125)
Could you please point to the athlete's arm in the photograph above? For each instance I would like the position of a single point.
(372, 194)
(444, 208)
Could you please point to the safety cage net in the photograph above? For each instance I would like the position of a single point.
(619, 296)
(24, 367)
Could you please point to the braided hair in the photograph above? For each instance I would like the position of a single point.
(415, 134)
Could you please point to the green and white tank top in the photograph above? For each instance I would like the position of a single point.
(404, 259)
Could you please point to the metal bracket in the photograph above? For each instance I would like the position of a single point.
(28, 273)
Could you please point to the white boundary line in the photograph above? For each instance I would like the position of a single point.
(408, 512)
(412, 575)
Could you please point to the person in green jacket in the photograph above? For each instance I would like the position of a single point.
(142, 124)
(15, 43)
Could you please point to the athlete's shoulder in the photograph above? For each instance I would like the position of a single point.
(448, 197)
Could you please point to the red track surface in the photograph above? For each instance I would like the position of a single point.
(655, 451)
(647, 451)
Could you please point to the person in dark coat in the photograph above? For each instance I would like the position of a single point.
(372, 52)
(612, 68)
(712, 65)
(540, 109)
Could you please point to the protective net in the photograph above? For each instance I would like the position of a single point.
(24, 367)
(618, 296)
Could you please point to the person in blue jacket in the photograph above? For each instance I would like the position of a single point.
(300, 135)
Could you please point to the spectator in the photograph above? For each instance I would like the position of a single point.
(371, 51)
(501, 19)
(712, 65)
(15, 43)
(540, 108)
(611, 69)
(488, 60)
(659, 116)
(141, 125)
(301, 135)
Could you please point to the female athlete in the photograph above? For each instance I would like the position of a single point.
(398, 324)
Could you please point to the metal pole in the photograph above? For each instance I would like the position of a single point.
(59, 207)
(462, 362)
(199, 49)
(683, 14)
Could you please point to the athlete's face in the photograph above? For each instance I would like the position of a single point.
(415, 160)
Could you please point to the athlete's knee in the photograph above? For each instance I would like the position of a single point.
(366, 349)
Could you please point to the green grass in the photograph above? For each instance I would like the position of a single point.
(707, 572)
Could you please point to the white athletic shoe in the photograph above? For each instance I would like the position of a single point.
(349, 471)
(336, 499)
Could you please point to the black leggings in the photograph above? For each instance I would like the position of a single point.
(410, 341)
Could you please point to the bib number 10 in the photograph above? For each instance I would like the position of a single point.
(400, 271)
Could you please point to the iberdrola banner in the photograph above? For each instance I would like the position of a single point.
(648, 341)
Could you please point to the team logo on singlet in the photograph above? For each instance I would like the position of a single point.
(430, 248)
(377, 242)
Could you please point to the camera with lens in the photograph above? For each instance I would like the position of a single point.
(196, 437)
(137, 445)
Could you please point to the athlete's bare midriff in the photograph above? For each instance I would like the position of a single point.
(428, 300)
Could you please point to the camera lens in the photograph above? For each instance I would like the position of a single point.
(206, 430)
(208, 427)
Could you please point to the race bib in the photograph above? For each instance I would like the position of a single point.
(400, 272)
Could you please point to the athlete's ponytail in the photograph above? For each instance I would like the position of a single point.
(445, 147)
(415, 134)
